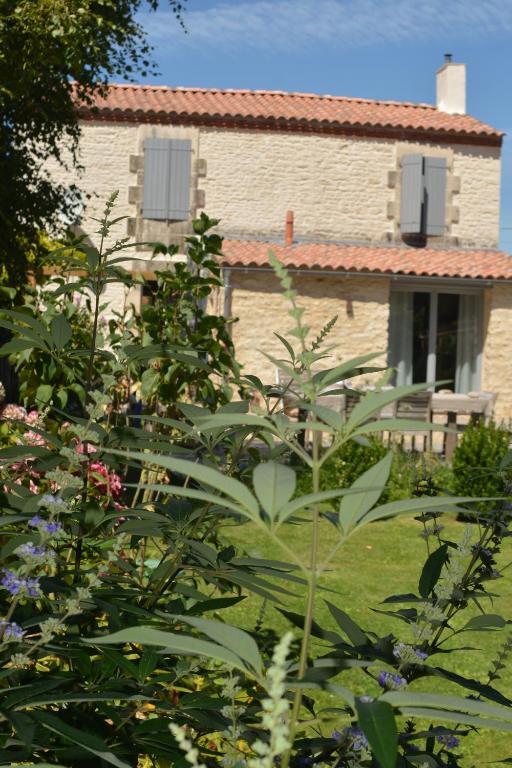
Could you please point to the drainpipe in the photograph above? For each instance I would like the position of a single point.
(228, 294)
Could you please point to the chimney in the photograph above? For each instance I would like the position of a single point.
(288, 235)
(451, 87)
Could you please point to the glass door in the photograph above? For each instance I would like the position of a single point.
(436, 336)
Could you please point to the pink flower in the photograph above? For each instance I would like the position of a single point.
(13, 411)
(108, 484)
(34, 419)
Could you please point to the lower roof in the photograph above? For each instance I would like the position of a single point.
(458, 263)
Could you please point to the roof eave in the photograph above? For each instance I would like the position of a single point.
(291, 125)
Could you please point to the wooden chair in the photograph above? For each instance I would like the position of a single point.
(416, 407)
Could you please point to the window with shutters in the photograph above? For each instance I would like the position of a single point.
(423, 195)
(167, 169)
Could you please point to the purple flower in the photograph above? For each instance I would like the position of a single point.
(390, 681)
(357, 737)
(12, 631)
(37, 521)
(20, 586)
(449, 741)
(30, 550)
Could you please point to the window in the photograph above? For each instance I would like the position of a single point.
(436, 336)
(423, 196)
(167, 165)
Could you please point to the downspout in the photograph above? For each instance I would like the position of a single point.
(228, 295)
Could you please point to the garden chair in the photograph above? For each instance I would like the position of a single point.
(416, 407)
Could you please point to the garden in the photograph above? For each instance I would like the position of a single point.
(184, 582)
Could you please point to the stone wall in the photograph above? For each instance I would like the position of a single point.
(362, 306)
(497, 350)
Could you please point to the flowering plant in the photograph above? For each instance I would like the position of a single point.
(115, 577)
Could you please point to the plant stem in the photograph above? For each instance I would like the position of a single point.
(310, 603)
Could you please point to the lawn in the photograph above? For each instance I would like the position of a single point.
(385, 558)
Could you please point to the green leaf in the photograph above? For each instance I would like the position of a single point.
(370, 486)
(354, 633)
(455, 704)
(44, 394)
(432, 570)
(61, 331)
(377, 720)
(343, 371)
(85, 740)
(206, 475)
(230, 637)
(274, 485)
(373, 402)
(399, 425)
(414, 506)
(149, 382)
(486, 621)
(179, 644)
(310, 499)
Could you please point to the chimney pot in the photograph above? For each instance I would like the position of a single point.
(451, 87)
(288, 235)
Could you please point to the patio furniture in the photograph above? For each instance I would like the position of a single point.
(474, 405)
(416, 407)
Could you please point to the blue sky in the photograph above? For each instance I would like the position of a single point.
(384, 49)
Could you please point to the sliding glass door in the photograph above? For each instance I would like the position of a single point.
(436, 336)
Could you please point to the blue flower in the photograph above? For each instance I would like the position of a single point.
(30, 550)
(48, 499)
(449, 741)
(48, 527)
(12, 631)
(390, 681)
(20, 586)
(357, 737)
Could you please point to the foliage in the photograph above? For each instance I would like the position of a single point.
(178, 315)
(53, 53)
(480, 462)
(112, 598)
(345, 465)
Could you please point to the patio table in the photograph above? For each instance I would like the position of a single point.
(474, 404)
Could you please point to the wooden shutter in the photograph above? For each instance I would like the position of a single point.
(435, 195)
(167, 164)
(412, 194)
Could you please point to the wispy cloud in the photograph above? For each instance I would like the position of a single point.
(289, 24)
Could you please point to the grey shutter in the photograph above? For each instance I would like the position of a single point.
(435, 195)
(412, 194)
(167, 165)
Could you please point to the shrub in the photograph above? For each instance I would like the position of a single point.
(478, 462)
(112, 644)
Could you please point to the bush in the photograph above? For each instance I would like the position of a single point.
(478, 462)
(346, 465)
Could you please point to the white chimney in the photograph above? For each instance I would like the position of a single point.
(451, 87)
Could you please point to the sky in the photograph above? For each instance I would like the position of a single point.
(376, 49)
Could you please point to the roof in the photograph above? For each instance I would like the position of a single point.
(279, 110)
(373, 259)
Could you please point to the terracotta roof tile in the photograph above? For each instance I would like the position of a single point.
(159, 103)
(378, 260)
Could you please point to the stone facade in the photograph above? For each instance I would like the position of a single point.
(343, 189)
(361, 304)
(340, 188)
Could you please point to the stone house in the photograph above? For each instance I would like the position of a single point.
(386, 213)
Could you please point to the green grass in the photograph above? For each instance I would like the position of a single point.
(384, 559)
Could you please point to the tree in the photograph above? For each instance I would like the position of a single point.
(53, 52)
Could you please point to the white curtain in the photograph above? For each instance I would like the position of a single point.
(400, 336)
(469, 336)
